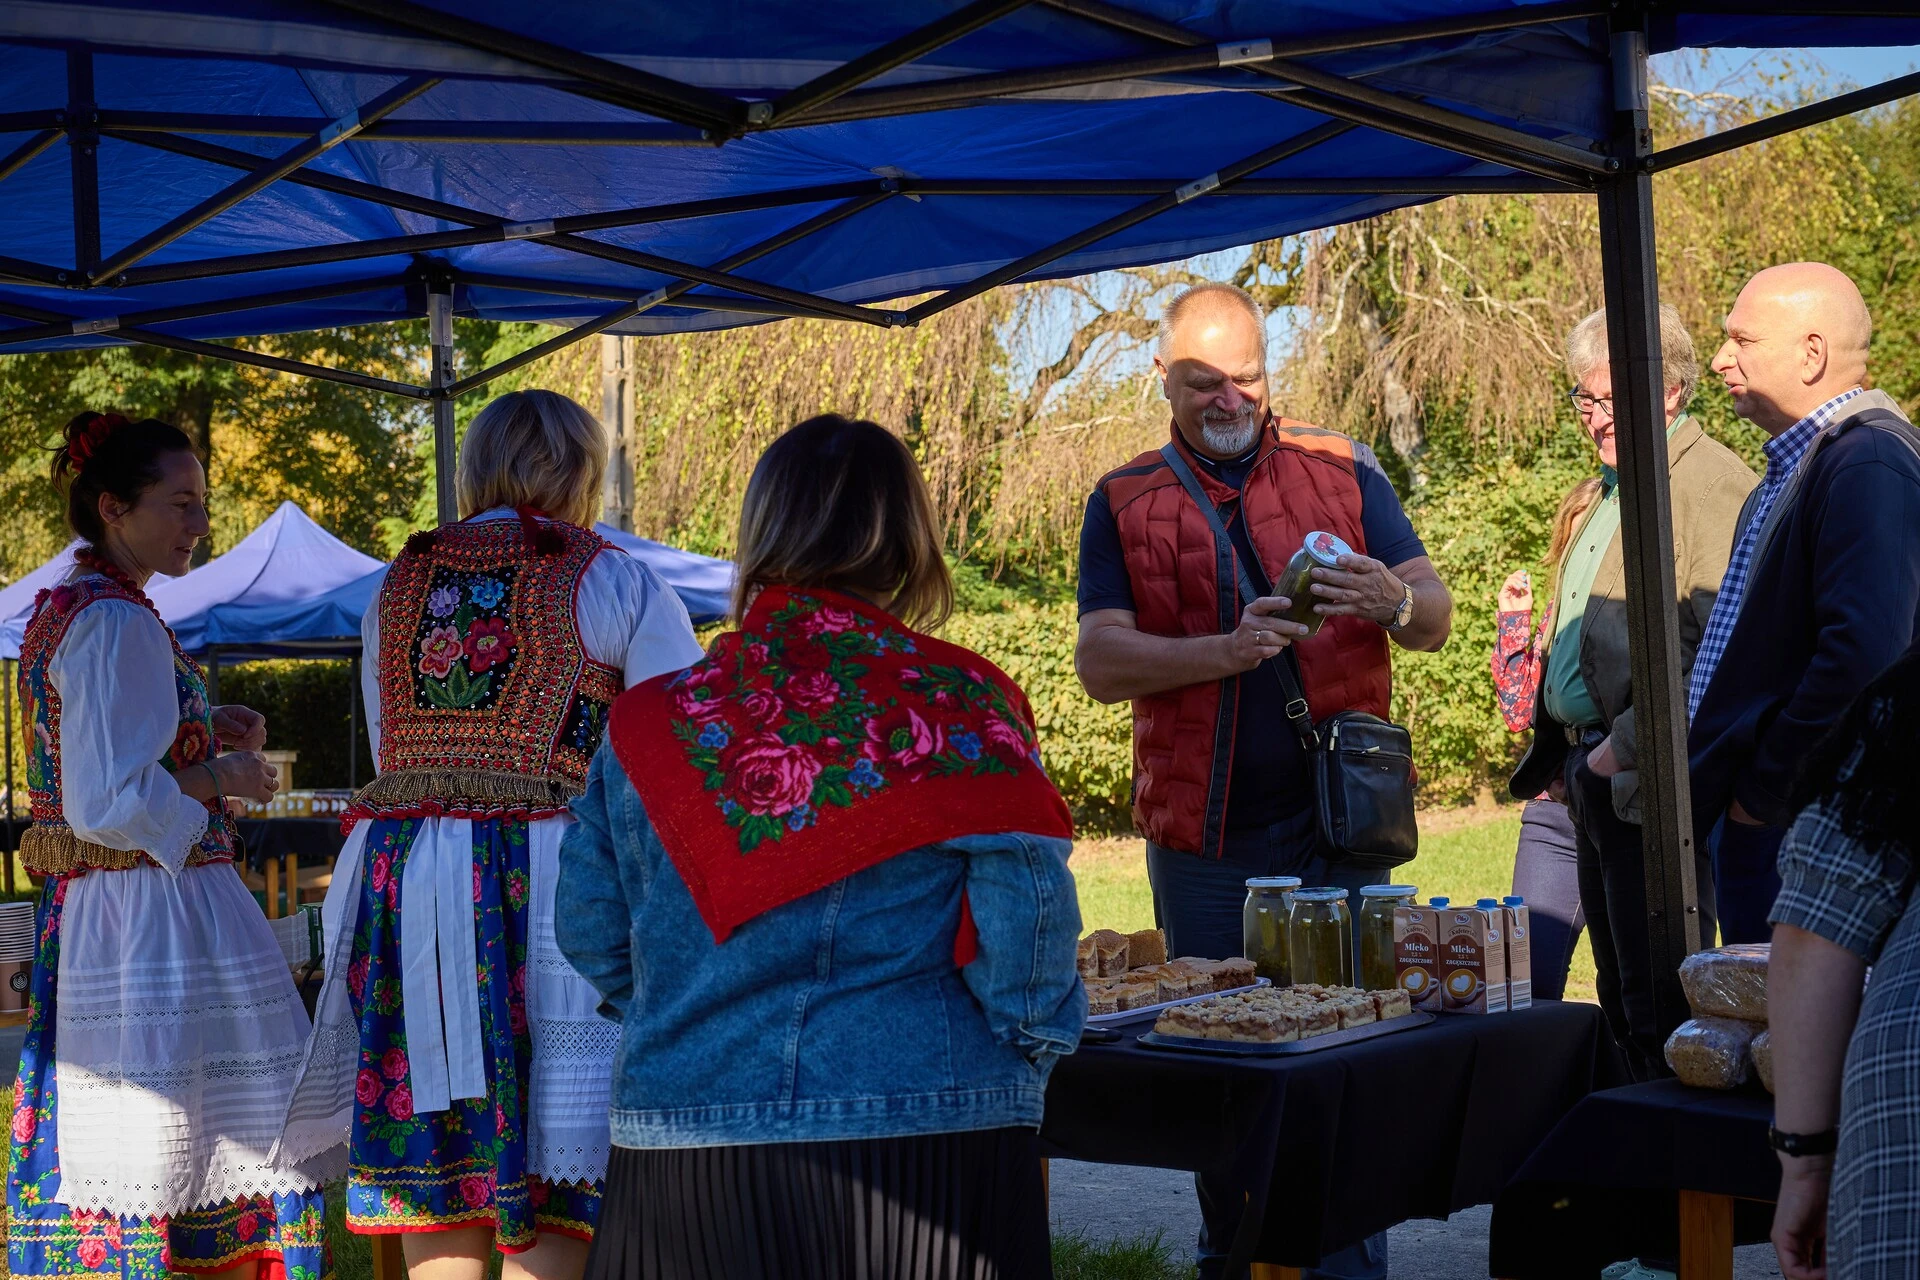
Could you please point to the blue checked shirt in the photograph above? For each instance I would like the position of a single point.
(1784, 453)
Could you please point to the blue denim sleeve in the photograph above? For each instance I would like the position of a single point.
(1028, 916)
(591, 919)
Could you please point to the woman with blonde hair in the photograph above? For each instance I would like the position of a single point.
(822, 878)
(1545, 866)
(455, 1050)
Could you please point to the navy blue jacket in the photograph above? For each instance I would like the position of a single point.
(1832, 599)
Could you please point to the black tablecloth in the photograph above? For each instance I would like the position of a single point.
(1339, 1145)
(1604, 1185)
(312, 840)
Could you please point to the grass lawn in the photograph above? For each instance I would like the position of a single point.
(1464, 854)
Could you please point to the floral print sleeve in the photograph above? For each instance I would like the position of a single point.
(1517, 659)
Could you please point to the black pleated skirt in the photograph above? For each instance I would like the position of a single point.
(951, 1206)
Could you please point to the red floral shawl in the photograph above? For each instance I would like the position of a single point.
(820, 739)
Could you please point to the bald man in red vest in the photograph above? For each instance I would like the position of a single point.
(1221, 785)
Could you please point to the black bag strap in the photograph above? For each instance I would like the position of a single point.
(1286, 671)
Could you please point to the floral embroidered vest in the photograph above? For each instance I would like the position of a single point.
(489, 705)
(50, 847)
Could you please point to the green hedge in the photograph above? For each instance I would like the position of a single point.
(305, 703)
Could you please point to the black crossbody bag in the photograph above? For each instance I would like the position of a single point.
(1362, 765)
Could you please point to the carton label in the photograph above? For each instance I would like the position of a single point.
(1416, 955)
(1519, 958)
(1473, 962)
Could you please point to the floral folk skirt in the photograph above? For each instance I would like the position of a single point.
(466, 1166)
(284, 1235)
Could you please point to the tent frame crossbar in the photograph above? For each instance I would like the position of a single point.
(1773, 126)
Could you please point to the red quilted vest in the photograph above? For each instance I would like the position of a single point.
(1304, 480)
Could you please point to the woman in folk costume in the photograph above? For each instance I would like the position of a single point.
(822, 878)
(165, 1028)
(454, 1046)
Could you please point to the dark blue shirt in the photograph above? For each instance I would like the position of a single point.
(1269, 780)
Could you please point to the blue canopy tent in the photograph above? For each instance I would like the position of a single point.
(242, 168)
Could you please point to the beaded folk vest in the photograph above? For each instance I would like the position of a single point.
(489, 705)
(50, 846)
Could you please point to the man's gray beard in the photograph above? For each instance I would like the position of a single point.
(1230, 439)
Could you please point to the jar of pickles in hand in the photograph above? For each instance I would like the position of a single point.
(1320, 938)
(1377, 902)
(1263, 927)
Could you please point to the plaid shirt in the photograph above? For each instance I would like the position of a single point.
(1856, 894)
(1785, 452)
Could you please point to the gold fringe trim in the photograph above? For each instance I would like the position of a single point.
(53, 851)
(480, 790)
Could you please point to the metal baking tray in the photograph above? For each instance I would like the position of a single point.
(1133, 1015)
(1286, 1048)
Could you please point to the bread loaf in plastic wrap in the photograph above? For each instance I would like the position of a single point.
(1711, 1053)
(1727, 982)
(1762, 1051)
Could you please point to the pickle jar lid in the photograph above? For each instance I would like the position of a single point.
(1388, 891)
(1274, 882)
(1322, 894)
(1326, 548)
(1514, 900)
(1487, 904)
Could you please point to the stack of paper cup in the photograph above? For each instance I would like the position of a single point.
(16, 955)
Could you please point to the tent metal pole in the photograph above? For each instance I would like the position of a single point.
(221, 307)
(1140, 213)
(686, 301)
(83, 141)
(32, 272)
(799, 231)
(276, 168)
(822, 89)
(17, 159)
(11, 842)
(624, 85)
(489, 132)
(353, 723)
(1646, 526)
(485, 228)
(440, 335)
(213, 350)
(1518, 184)
(1785, 122)
(213, 675)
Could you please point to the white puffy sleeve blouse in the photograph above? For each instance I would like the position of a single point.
(119, 716)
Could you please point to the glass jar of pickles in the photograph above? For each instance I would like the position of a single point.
(1377, 902)
(1263, 927)
(1318, 551)
(1320, 938)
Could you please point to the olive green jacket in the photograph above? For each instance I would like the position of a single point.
(1708, 484)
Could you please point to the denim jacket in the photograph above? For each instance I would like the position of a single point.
(839, 1015)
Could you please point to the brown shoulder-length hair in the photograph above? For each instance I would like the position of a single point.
(1567, 520)
(839, 503)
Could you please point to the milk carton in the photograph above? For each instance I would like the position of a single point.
(1473, 959)
(1416, 953)
(1519, 953)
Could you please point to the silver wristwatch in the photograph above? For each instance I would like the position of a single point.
(1404, 614)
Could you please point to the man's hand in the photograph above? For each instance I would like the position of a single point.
(1262, 633)
(1516, 593)
(1557, 788)
(1800, 1216)
(240, 728)
(1602, 760)
(1736, 813)
(1361, 587)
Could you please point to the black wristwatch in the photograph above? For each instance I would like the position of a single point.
(1823, 1143)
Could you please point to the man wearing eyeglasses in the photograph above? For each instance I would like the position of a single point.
(1583, 736)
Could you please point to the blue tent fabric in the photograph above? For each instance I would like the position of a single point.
(281, 566)
(317, 62)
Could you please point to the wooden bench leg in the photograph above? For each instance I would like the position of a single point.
(1046, 1182)
(1706, 1236)
(389, 1262)
(273, 888)
(1273, 1271)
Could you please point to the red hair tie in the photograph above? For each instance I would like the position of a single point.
(82, 447)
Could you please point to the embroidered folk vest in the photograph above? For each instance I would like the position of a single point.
(50, 846)
(489, 705)
(1303, 480)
